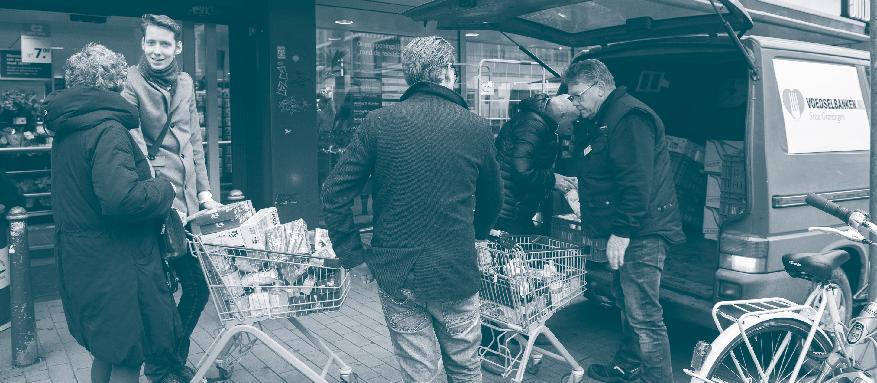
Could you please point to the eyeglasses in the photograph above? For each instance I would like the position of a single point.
(578, 96)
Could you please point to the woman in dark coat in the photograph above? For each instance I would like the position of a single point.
(108, 211)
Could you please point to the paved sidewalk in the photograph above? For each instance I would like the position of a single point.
(357, 332)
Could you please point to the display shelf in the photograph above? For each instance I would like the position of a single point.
(24, 172)
(221, 143)
(25, 149)
(37, 195)
(39, 213)
(25, 79)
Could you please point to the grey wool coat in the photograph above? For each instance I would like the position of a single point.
(181, 155)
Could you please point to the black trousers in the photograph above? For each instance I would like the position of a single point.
(195, 295)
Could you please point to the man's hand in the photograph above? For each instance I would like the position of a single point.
(564, 183)
(615, 249)
(210, 204)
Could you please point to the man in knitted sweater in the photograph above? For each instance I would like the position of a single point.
(432, 164)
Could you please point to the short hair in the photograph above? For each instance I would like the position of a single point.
(161, 21)
(589, 71)
(424, 59)
(96, 66)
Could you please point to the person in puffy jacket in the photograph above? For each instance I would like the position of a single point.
(108, 212)
(526, 148)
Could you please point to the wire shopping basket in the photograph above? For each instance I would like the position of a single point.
(524, 281)
(249, 286)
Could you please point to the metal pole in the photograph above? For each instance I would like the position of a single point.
(235, 195)
(25, 345)
(872, 253)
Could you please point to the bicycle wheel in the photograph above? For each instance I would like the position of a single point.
(776, 341)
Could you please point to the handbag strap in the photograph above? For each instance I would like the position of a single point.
(152, 147)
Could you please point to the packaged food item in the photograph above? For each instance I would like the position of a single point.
(225, 217)
(308, 286)
(221, 263)
(325, 252)
(321, 239)
(248, 265)
(250, 234)
(267, 277)
(279, 299)
(242, 304)
(291, 272)
(232, 281)
(572, 198)
(260, 303)
(291, 237)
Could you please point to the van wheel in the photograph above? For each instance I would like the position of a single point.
(844, 296)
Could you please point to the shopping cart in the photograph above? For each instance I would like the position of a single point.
(524, 281)
(249, 286)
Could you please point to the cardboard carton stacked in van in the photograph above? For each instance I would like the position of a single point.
(709, 182)
(725, 188)
(686, 160)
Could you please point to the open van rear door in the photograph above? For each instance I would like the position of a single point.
(583, 23)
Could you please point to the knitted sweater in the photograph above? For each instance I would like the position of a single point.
(432, 163)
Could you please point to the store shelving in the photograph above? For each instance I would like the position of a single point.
(30, 168)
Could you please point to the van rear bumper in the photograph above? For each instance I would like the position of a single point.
(764, 285)
(689, 307)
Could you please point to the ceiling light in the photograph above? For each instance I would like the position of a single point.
(471, 34)
(561, 48)
(562, 15)
(334, 39)
(344, 22)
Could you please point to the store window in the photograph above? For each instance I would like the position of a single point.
(499, 74)
(359, 70)
(212, 76)
(25, 149)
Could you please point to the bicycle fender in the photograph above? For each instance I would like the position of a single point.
(732, 332)
(821, 336)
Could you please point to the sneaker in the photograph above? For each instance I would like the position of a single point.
(613, 373)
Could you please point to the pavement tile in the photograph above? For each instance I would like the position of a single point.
(356, 333)
(62, 373)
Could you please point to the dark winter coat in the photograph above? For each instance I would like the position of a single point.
(108, 211)
(625, 181)
(436, 188)
(526, 149)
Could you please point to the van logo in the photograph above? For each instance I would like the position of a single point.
(794, 102)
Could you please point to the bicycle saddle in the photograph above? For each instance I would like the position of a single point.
(816, 267)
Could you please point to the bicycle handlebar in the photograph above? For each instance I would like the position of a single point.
(829, 207)
(854, 218)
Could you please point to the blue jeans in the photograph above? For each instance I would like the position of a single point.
(418, 328)
(636, 286)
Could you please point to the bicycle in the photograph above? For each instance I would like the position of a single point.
(776, 340)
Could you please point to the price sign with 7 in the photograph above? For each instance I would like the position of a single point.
(35, 49)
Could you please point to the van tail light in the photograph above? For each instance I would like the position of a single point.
(743, 254)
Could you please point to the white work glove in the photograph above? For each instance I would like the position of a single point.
(564, 183)
(615, 249)
(205, 199)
